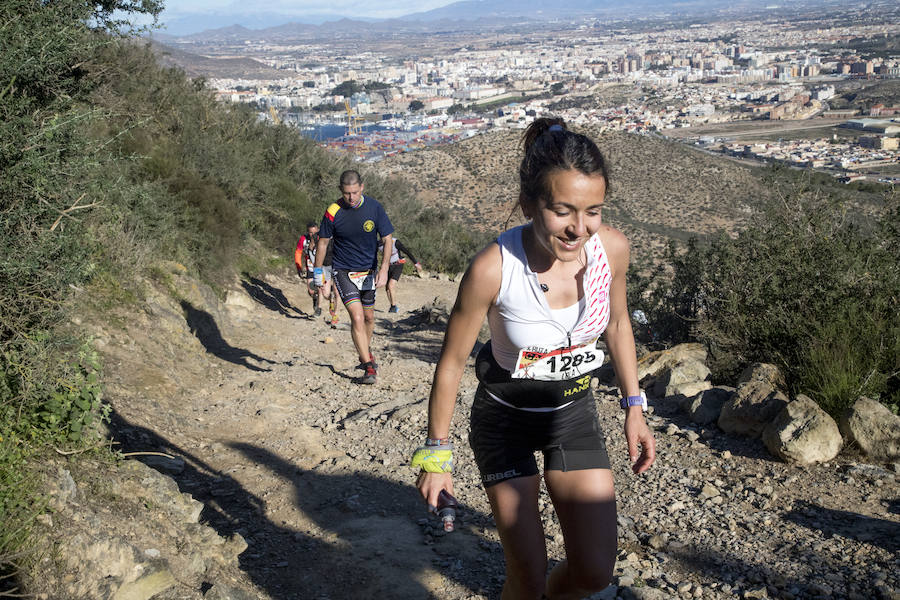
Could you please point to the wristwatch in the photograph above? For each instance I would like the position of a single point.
(634, 401)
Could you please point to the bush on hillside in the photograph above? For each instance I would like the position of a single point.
(214, 179)
(49, 393)
(804, 286)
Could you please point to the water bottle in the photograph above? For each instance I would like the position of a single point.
(446, 510)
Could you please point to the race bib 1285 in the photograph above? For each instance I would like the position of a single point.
(557, 364)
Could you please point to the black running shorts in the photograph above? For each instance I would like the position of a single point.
(504, 439)
(394, 271)
(350, 292)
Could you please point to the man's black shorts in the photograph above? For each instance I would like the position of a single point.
(394, 271)
(504, 439)
(350, 292)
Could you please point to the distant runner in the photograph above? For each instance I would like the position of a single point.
(398, 259)
(356, 223)
(304, 260)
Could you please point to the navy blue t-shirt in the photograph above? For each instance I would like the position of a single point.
(356, 232)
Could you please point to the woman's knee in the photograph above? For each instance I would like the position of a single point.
(592, 576)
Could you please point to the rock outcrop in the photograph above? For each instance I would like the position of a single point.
(803, 433)
(101, 557)
(755, 403)
(873, 428)
(704, 408)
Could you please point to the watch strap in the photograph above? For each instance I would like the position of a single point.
(640, 400)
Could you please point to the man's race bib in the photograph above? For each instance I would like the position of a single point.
(363, 280)
(557, 364)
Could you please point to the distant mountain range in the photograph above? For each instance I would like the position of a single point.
(466, 14)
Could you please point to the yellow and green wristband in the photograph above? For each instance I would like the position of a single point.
(434, 457)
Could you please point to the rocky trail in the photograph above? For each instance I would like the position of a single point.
(291, 482)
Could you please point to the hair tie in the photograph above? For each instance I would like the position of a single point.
(556, 127)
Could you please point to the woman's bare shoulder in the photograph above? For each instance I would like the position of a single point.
(484, 274)
(614, 241)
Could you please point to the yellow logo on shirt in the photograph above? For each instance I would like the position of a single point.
(369, 225)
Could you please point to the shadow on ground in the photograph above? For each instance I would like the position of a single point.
(271, 297)
(371, 527)
(203, 326)
(809, 564)
(847, 524)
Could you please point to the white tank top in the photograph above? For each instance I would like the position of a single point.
(521, 316)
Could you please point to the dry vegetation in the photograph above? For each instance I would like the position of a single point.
(661, 190)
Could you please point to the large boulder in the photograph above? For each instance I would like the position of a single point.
(704, 408)
(765, 372)
(677, 371)
(874, 428)
(755, 403)
(803, 433)
(653, 364)
(679, 391)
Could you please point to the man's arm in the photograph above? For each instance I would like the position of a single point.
(321, 249)
(382, 276)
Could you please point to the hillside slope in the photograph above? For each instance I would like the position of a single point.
(302, 472)
(660, 189)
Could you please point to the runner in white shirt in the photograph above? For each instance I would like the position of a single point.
(549, 289)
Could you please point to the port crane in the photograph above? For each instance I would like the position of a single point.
(274, 115)
(352, 120)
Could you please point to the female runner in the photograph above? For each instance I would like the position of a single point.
(550, 289)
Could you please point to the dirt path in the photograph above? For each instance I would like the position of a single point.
(283, 447)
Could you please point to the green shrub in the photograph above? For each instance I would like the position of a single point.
(47, 164)
(668, 295)
(811, 285)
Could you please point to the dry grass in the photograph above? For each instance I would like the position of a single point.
(660, 189)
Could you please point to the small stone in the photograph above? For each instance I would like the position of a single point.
(758, 591)
(328, 340)
(675, 507)
(819, 589)
(684, 587)
(657, 542)
(351, 504)
(726, 454)
(691, 435)
(709, 491)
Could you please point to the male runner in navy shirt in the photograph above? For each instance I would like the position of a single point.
(357, 223)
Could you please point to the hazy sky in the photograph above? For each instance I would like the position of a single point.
(177, 9)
